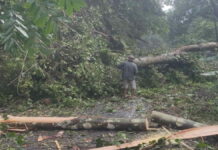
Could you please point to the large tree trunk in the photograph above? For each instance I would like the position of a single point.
(174, 121)
(172, 56)
(77, 123)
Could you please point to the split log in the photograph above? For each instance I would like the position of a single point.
(196, 132)
(173, 56)
(136, 143)
(78, 123)
(184, 134)
(175, 121)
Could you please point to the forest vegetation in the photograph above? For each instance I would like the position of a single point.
(60, 55)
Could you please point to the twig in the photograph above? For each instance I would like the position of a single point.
(19, 75)
(58, 145)
(16, 130)
(21, 72)
(104, 34)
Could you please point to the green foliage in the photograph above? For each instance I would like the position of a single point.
(82, 64)
(192, 22)
(17, 140)
(175, 76)
(31, 25)
(151, 77)
(203, 145)
(119, 138)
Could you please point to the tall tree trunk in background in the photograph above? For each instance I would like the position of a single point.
(216, 32)
(174, 55)
(215, 13)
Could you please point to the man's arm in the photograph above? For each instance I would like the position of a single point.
(120, 66)
(136, 69)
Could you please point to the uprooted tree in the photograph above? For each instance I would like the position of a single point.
(174, 55)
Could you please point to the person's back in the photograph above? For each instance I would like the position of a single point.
(129, 70)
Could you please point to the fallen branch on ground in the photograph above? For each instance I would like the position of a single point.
(175, 121)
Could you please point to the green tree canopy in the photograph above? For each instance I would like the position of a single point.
(189, 15)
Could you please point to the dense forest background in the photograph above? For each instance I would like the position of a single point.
(72, 55)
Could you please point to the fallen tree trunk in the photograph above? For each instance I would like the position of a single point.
(175, 121)
(78, 123)
(172, 56)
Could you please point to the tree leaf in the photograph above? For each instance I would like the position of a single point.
(22, 31)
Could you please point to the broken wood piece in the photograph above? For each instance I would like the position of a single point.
(133, 144)
(22, 120)
(181, 142)
(195, 132)
(58, 145)
(44, 137)
(184, 134)
(17, 130)
(78, 123)
(175, 121)
(75, 147)
(2, 133)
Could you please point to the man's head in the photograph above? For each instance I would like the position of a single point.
(131, 58)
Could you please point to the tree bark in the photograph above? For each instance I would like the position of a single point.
(175, 121)
(78, 123)
(173, 56)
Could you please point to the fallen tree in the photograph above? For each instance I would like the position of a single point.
(172, 56)
(78, 123)
(175, 121)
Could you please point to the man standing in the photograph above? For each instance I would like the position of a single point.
(129, 70)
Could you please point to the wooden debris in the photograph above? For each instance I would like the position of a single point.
(175, 121)
(195, 132)
(184, 134)
(44, 120)
(181, 142)
(133, 144)
(42, 138)
(58, 145)
(17, 130)
(75, 147)
(78, 123)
